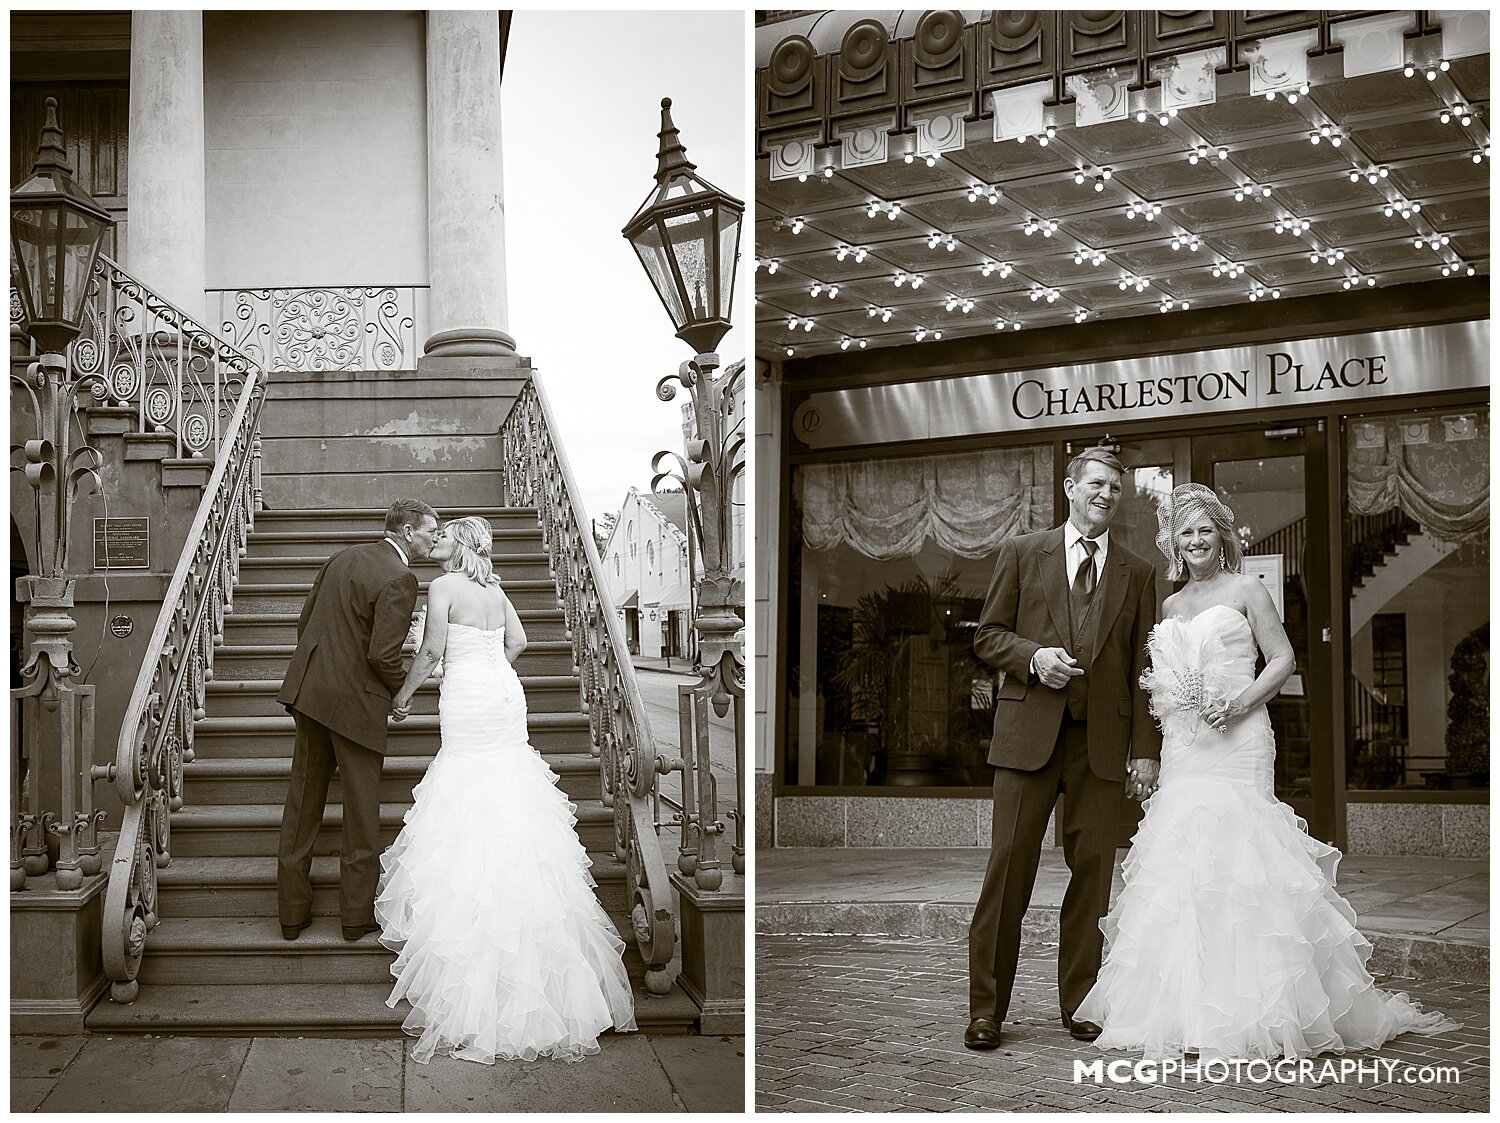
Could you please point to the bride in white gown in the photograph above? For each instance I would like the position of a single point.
(503, 951)
(1228, 939)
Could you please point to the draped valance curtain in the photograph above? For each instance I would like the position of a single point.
(1435, 467)
(965, 502)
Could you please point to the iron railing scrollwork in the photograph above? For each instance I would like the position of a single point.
(537, 474)
(156, 735)
(146, 355)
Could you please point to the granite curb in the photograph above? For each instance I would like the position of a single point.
(1409, 956)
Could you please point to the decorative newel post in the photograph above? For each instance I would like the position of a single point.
(56, 230)
(687, 236)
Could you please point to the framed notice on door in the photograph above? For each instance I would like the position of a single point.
(1270, 570)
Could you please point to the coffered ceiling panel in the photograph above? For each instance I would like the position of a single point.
(1335, 233)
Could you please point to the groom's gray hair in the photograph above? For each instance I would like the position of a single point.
(1097, 454)
(406, 512)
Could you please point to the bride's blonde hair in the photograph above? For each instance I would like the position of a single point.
(472, 540)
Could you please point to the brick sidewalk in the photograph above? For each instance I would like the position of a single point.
(875, 1024)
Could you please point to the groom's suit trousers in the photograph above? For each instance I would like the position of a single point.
(1023, 802)
(319, 751)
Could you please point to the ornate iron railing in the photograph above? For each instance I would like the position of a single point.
(156, 735)
(143, 354)
(537, 474)
(330, 328)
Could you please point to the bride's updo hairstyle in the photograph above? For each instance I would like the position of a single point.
(472, 539)
(1189, 502)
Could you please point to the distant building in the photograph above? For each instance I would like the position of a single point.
(646, 570)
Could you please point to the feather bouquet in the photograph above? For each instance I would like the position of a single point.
(1188, 671)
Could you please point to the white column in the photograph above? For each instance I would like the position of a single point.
(167, 236)
(465, 189)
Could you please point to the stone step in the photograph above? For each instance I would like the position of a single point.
(269, 660)
(256, 697)
(246, 886)
(187, 951)
(252, 829)
(260, 569)
(288, 596)
(314, 1010)
(210, 782)
(372, 521)
(273, 736)
(281, 627)
(508, 541)
(220, 738)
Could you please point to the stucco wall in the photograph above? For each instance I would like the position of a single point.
(315, 131)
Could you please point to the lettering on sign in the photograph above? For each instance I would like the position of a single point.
(1313, 372)
(122, 543)
(121, 626)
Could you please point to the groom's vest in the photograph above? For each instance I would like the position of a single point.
(1083, 618)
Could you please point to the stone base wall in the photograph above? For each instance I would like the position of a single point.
(360, 438)
(1452, 830)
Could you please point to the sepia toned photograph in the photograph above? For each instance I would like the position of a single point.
(378, 720)
(1122, 565)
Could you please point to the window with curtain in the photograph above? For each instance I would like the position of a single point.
(890, 567)
(1417, 528)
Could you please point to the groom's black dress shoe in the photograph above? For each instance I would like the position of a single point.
(983, 1033)
(359, 931)
(292, 931)
(1081, 1031)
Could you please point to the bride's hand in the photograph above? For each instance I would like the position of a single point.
(1220, 713)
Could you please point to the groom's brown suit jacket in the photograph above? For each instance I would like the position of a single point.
(1027, 608)
(347, 665)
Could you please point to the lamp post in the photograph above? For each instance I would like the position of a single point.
(687, 235)
(56, 231)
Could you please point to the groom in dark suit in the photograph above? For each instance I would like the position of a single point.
(338, 687)
(1066, 619)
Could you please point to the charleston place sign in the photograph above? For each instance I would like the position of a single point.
(1306, 372)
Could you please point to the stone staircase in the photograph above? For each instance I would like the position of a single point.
(216, 962)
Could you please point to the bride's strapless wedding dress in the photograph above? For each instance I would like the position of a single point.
(502, 949)
(1228, 939)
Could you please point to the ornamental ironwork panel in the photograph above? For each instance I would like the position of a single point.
(325, 329)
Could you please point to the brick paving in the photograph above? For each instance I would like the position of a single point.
(870, 1023)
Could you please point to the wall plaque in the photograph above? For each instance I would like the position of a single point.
(121, 626)
(122, 543)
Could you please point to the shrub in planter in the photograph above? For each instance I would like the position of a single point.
(1468, 738)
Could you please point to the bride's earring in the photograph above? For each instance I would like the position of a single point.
(1223, 559)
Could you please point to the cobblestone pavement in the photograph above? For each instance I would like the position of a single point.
(868, 1023)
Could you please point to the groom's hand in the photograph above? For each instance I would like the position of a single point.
(1140, 777)
(1054, 666)
(398, 713)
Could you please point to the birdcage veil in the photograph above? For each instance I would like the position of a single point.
(1191, 500)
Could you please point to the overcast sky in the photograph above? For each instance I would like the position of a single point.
(582, 105)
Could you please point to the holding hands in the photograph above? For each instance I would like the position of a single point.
(1141, 777)
(400, 708)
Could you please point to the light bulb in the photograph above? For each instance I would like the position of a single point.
(1335, 140)
(844, 344)
(931, 161)
(833, 291)
(1078, 176)
(1141, 115)
(772, 266)
(791, 351)
(1408, 70)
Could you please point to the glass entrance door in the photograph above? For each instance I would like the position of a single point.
(1271, 480)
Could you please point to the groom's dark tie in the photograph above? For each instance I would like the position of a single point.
(1085, 579)
(1080, 597)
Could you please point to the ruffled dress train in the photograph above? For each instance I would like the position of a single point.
(502, 949)
(1228, 940)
